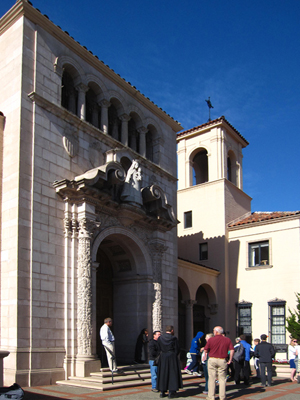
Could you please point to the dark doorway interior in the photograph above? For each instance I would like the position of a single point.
(181, 321)
(104, 300)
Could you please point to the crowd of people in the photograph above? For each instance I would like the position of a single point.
(219, 359)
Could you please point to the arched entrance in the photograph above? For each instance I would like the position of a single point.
(200, 312)
(123, 290)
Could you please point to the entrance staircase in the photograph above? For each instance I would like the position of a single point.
(132, 375)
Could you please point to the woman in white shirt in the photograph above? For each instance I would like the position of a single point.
(293, 355)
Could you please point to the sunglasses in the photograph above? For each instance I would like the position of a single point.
(295, 341)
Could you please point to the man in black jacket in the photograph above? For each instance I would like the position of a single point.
(265, 352)
(153, 352)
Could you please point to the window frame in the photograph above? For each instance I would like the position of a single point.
(271, 306)
(259, 243)
(201, 258)
(239, 331)
(185, 216)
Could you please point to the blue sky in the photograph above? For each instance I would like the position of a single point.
(243, 54)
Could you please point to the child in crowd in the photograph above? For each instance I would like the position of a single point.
(256, 360)
(188, 360)
(204, 364)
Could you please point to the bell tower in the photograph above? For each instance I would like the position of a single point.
(210, 177)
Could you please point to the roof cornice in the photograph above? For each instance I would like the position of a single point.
(23, 8)
(222, 121)
(197, 267)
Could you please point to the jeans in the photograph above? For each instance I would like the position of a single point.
(153, 370)
(204, 365)
(263, 367)
(194, 363)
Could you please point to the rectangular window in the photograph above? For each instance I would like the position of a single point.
(244, 322)
(188, 219)
(277, 322)
(259, 254)
(203, 251)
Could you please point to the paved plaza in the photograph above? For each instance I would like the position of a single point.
(282, 389)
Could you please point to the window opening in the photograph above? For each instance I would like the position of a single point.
(188, 219)
(277, 322)
(259, 253)
(203, 251)
(244, 320)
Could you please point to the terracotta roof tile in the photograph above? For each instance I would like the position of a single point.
(207, 124)
(263, 216)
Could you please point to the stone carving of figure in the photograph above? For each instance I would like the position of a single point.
(131, 190)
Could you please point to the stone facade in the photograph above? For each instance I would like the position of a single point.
(88, 196)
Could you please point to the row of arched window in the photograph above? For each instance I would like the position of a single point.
(88, 103)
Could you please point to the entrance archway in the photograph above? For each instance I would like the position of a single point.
(123, 289)
(200, 311)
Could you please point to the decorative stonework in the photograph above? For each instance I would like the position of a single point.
(71, 143)
(157, 249)
(84, 287)
(131, 190)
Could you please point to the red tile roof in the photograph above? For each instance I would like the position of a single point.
(207, 124)
(263, 216)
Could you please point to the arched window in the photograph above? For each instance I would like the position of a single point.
(93, 110)
(231, 167)
(200, 167)
(133, 136)
(69, 95)
(114, 123)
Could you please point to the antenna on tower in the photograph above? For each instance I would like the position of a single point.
(209, 107)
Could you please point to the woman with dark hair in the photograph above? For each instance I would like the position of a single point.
(141, 347)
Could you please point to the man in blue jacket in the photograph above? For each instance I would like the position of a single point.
(243, 364)
(194, 350)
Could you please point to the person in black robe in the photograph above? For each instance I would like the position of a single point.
(168, 371)
(141, 347)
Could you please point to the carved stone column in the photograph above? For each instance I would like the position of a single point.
(104, 115)
(84, 305)
(85, 354)
(142, 132)
(157, 248)
(82, 89)
(124, 134)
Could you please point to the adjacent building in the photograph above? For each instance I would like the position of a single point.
(237, 268)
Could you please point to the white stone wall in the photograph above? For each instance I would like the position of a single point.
(33, 286)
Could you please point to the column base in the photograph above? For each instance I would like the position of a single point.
(84, 367)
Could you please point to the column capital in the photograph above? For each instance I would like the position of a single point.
(104, 103)
(142, 130)
(189, 303)
(81, 87)
(158, 246)
(124, 117)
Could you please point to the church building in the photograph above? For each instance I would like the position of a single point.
(88, 205)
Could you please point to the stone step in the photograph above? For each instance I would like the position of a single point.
(102, 380)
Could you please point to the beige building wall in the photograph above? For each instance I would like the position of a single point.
(213, 203)
(259, 285)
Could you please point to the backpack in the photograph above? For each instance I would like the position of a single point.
(239, 353)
